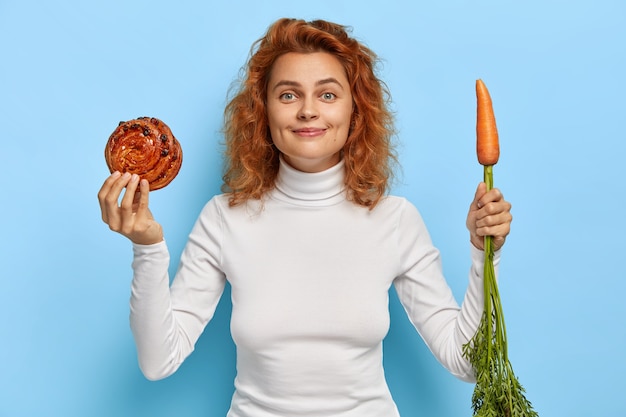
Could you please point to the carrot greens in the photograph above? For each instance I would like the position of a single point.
(498, 392)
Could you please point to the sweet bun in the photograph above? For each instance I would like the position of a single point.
(145, 146)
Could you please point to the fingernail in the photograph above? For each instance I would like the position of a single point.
(126, 175)
(134, 178)
(116, 174)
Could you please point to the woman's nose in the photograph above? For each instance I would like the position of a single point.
(308, 110)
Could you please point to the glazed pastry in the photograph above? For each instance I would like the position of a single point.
(145, 146)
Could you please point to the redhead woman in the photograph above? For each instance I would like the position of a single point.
(307, 236)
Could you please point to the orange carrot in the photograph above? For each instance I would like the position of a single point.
(498, 392)
(487, 146)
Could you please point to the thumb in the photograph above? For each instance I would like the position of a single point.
(481, 190)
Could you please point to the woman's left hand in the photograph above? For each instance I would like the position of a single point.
(489, 215)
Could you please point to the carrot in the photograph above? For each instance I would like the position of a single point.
(498, 392)
(487, 144)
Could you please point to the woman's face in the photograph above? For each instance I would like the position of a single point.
(309, 108)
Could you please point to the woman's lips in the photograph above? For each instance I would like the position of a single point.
(309, 132)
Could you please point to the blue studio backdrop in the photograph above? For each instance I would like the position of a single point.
(71, 70)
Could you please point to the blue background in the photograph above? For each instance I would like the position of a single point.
(71, 70)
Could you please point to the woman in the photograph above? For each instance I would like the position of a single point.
(307, 238)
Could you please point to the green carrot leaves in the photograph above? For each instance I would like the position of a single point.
(498, 392)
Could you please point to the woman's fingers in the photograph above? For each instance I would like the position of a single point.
(489, 215)
(494, 218)
(491, 196)
(142, 202)
(112, 201)
(104, 192)
(497, 226)
(126, 205)
(109, 198)
(127, 212)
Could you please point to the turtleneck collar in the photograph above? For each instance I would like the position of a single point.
(310, 189)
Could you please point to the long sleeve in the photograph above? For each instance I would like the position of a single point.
(167, 321)
(428, 300)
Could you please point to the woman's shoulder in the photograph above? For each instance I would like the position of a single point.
(395, 203)
(221, 204)
(399, 207)
(214, 206)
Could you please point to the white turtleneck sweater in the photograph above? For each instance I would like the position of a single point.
(310, 274)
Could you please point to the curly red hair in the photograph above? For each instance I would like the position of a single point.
(252, 159)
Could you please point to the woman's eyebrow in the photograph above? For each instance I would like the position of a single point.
(289, 83)
(286, 83)
(329, 80)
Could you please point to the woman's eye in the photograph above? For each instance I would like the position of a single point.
(328, 96)
(287, 96)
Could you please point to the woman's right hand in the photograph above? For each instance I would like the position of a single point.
(131, 216)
